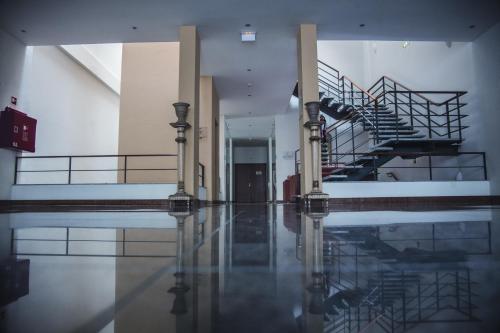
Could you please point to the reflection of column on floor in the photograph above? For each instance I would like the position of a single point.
(206, 272)
(312, 258)
(220, 215)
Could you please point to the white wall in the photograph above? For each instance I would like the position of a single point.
(486, 53)
(243, 154)
(77, 115)
(12, 58)
(420, 66)
(287, 141)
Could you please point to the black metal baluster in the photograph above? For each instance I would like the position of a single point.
(430, 167)
(459, 118)
(125, 170)
(485, 171)
(396, 123)
(429, 119)
(69, 169)
(15, 170)
(448, 119)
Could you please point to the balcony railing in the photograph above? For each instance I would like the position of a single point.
(96, 169)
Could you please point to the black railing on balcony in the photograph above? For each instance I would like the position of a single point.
(95, 169)
(427, 166)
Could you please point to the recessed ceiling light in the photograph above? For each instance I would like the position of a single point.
(362, 25)
(472, 26)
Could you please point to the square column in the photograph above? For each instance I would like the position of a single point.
(189, 92)
(307, 55)
(310, 157)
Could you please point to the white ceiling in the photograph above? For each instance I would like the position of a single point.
(272, 58)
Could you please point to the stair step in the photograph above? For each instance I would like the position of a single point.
(393, 137)
(394, 132)
(335, 177)
(382, 127)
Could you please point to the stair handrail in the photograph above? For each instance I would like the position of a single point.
(361, 89)
(419, 93)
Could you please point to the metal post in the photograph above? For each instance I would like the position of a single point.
(429, 118)
(353, 145)
(448, 120)
(376, 120)
(67, 241)
(383, 89)
(352, 94)
(123, 242)
(15, 170)
(430, 167)
(397, 112)
(484, 166)
(125, 170)
(411, 109)
(69, 170)
(459, 118)
(343, 91)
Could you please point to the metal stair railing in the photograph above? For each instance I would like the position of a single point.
(439, 119)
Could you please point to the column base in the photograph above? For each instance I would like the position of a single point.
(181, 201)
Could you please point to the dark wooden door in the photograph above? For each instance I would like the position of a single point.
(250, 182)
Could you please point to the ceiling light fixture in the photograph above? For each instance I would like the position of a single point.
(249, 69)
(406, 44)
(362, 25)
(248, 36)
(134, 28)
(249, 95)
(248, 25)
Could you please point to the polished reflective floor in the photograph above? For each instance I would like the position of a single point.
(250, 268)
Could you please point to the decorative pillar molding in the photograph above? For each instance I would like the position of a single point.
(181, 199)
(315, 198)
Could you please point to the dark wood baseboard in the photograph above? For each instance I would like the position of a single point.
(412, 202)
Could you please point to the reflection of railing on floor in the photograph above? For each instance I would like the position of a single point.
(96, 169)
(384, 294)
(110, 243)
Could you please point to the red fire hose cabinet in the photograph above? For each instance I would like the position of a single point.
(17, 130)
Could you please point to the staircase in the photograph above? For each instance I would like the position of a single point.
(369, 128)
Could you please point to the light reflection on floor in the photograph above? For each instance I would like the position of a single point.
(251, 268)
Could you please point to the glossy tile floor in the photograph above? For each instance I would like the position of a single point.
(251, 268)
